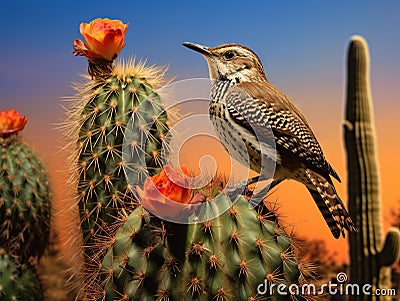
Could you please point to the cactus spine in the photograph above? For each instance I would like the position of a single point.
(24, 197)
(225, 258)
(370, 256)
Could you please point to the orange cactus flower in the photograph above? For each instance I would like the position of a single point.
(11, 122)
(104, 38)
(162, 192)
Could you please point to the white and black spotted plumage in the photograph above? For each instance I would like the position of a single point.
(244, 105)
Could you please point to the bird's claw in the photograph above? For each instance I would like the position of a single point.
(258, 197)
(233, 190)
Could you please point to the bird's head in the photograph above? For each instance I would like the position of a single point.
(232, 62)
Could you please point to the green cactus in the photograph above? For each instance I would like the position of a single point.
(117, 126)
(18, 282)
(24, 198)
(225, 258)
(108, 109)
(370, 256)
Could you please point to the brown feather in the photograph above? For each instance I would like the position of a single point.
(297, 132)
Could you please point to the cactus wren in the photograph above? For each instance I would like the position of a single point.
(263, 106)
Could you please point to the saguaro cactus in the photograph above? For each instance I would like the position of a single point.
(370, 256)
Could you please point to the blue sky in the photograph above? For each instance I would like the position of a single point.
(294, 39)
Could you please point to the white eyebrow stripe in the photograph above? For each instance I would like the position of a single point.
(240, 52)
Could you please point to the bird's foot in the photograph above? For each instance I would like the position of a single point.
(198, 198)
(258, 197)
(233, 190)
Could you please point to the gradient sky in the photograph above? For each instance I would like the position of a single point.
(302, 45)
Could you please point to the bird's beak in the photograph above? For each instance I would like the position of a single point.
(204, 50)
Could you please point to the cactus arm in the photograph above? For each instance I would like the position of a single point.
(390, 253)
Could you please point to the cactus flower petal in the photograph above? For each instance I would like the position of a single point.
(104, 38)
(162, 192)
(11, 122)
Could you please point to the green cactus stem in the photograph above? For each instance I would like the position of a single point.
(109, 110)
(226, 258)
(370, 256)
(25, 199)
(102, 110)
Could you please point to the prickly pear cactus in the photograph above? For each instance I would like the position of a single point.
(226, 258)
(18, 282)
(370, 256)
(24, 192)
(116, 102)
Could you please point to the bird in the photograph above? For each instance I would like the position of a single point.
(245, 105)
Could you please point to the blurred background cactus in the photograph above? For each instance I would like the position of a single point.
(370, 255)
(18, 281)
(25, 210)
(25, 198)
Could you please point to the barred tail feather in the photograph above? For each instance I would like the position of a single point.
(330, 205)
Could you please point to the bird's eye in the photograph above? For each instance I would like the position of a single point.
(229, 55)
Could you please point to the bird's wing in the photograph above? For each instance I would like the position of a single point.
(263, 106)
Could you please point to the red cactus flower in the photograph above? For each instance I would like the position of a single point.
(11, 122)
(162, 192)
